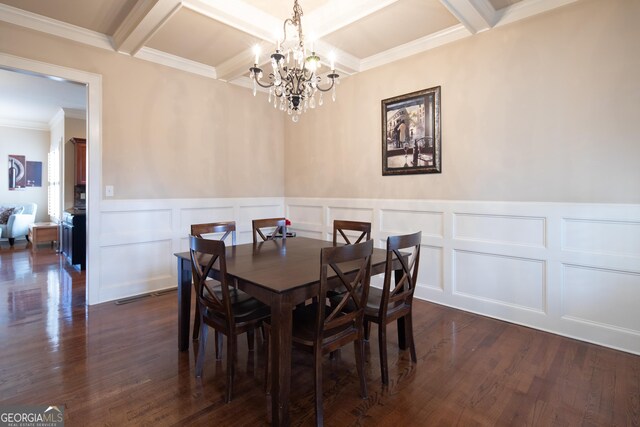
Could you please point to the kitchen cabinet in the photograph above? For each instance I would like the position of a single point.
(80, 145)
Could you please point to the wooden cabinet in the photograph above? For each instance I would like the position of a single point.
(80, 145)
(73, 244)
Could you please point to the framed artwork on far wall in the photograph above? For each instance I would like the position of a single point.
(411, 133)
(17, 172)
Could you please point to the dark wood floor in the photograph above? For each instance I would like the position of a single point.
(119, 365)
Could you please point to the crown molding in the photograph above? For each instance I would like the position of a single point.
(75, 113)
(43, 24)
(448, 35)
(177, 62)
(24, 124)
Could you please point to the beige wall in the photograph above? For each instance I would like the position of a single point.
(546, 109)
(167, 133)
(34, 145)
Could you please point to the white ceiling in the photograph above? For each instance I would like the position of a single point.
(214, 37)
(31, 101)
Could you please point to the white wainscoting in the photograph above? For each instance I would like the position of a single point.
(571, 269)
(139, 237)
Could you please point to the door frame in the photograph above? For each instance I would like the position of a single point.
(94, 155)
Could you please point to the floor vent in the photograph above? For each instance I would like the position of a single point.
(131, 299)
(164, 292)
(139, 297)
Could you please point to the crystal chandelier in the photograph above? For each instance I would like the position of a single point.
(294, 81)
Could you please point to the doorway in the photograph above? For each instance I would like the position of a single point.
(93, 84)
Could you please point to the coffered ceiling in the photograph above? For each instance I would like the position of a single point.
(214, 37)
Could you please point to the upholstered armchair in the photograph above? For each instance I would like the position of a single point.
(18, 222)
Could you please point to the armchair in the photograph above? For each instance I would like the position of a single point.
(18, 223)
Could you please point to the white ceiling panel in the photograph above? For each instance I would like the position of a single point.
(193, 36)
(96, 15)
(397, 24)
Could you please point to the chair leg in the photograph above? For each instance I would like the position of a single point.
(196, 323)
(218, 338)
(382, 342)
(231, 356)
(359, 349)
(318, 383)
(408, 331)
(203, 343)
(367, 329)
(251, 339)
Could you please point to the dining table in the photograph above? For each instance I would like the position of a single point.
(281, 273)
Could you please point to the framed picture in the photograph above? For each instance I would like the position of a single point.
(17, 172)
(34, 174)
(411, 133)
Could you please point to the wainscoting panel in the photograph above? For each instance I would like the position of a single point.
(567, 268)
(526, 231)
(571, 269)
(602, 237)
(404, 222)
(515, 282)
(138, 238)
(605, 297)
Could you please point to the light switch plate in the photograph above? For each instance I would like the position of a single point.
(108, 190)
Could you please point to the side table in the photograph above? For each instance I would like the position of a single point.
(42, 232)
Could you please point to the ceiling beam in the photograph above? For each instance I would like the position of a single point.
(475, 15)
(144, 20)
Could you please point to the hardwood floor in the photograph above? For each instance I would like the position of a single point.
(119, 365)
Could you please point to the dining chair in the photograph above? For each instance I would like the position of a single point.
(323, 328)
(217, 310)
(226, 227)
(391, 303)
(339, 227)
(200, 230)
(279, 226)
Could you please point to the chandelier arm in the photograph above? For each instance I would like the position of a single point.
(266, 86)
(327, 89)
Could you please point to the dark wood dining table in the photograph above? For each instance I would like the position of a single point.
(280, 273)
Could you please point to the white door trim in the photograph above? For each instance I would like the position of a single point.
(94, 147)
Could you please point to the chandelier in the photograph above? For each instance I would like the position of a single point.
(294, 82)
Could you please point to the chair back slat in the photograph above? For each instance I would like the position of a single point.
(279, 228)
(205, 254)
(352, 267)
(405, 250)
(339, 227)
(226, 227)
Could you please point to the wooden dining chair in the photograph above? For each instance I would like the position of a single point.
(391, 303)
(279, 226)
(339, 227)
(228, 228)
(323, 328)
(217, 310)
